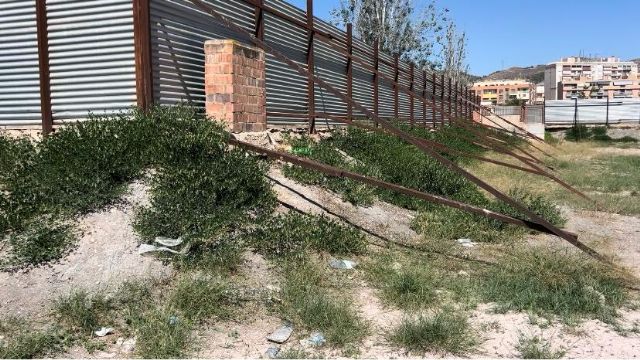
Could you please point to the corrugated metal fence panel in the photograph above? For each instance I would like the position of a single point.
(19, 74)
(362, 77)
(286, 88)
(92, 61)
(592, 111)
(178, 33)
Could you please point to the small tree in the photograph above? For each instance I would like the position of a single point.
(417, 38)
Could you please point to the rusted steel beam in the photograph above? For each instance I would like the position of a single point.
(337, 172)
(142, 43)
(401, 134)
(396, 74)
(43, 67)
(433, 98)
(258, 20)
(424, 97)
(442, 99)
(350, 69)
(311, 101)
(376, 80)
(449, 100)
(411, 109)
(455, 101)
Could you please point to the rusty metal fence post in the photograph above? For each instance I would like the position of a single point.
(349, 70)
(43, 64)
(142, 43)
(376, 80)
(411, 103)
(311, 101)
(442, 99)
(396, 76)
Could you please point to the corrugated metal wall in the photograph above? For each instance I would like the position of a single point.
(92, 59)
(19, 74)
(592, 111)
(178, 33)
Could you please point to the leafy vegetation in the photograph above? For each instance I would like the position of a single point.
(20, 341)
(293, 234)
(202, 190)
(82, 312)
(444, 331)
(557, 282)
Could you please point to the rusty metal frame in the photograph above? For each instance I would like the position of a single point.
(43, 67)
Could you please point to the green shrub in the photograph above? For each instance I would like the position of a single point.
(557, 282)
(291, 234)
(445, 331)
(203, 188)
(41, 241)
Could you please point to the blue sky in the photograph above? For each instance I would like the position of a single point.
(505, 33)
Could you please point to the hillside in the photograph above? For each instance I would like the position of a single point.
(534, 73)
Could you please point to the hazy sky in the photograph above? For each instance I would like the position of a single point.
(505, 33)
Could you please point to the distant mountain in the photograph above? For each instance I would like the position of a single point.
(535, 73)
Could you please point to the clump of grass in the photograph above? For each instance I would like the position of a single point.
(202, 298)
(445, 331)
(161, 333)
(292, 234)
(597, 133)
(537, 348)
(82, 312)
(20, 341)
(412, 284)
(312, 306)
(557, 282)
(578, 133)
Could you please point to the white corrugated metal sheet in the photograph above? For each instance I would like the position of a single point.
(592, 111)
(92, 57)
(19, 74)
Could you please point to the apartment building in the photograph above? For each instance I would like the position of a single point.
(591, 78)
(498, 92)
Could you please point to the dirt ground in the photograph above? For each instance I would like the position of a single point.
(106, 255)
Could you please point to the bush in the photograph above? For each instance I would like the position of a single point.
(203, 188)
(578, 133)
(41, 241)
(202, 298)
(20, 341)
(292, 234)
(537, 348)
(386, 158)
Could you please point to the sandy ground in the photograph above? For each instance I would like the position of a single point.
(105, 256)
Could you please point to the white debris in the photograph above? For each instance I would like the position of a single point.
(281, 335)
(466, 242)
(342, 264)
(168, 241)
(104, 331)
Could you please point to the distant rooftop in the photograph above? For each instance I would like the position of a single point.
(583, 59)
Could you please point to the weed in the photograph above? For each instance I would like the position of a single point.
(292, 234)
(550, 139)
(537, 348)
(82, 312)
(313, 307)
(578, 133)
(415, 283)
(542, 281)
(202, 298)
(597, 133)
(445, 331)
(293, 354)
(19, 341)
(162, 333)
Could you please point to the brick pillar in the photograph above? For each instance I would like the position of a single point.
(235, 85)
